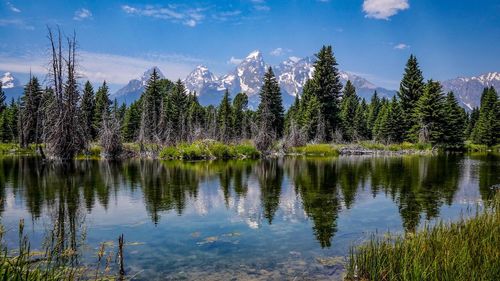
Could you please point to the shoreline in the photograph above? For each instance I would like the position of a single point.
(209, 150)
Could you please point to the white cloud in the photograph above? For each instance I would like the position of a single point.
(401, 46)
(279, 52)
(188, 16)
(12, 7)
(21, 24)
(234, 61)
(82, 14)
(384, 9)
(263, 8)
(98, 67)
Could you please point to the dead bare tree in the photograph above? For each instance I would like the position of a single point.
(110, 137)
(63, 134)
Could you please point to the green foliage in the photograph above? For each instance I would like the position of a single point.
(316, 150)
(388, 126)
(454, 123)
(270, 99)
(463, 250)
(30, 123)
(240, 123)
(209, 149)
(348, 107)
(325, 85)
(224, 118)
(487, 128)
(151, 109)
(410, 91)
(87, 108)
(132, 122)
(102, 107)
(430, 115)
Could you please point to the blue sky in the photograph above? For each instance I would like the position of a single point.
(119, 39)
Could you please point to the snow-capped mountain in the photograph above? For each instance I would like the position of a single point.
(133, 90)
(247, 77)
(9, 81)
(11, 86)
(468, 89)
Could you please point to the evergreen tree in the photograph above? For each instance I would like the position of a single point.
(270, 98)
(30, 123)
(455, 121)
(132, 122)
(471, 122)
(293, 114)
(487, 128)
(178, 107)
(224, 119)
(374, 109)
(196, 118)
(361, 130)
(410, 91)
(429, 115)
(348, 109)
(388, 127)
(325, 85)
(87, 108)
(311, 116)
(102, 107)
(240, 106)
(151, 110)
(2, 99)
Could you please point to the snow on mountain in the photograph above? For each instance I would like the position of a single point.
(133, 90)
(11, 86)
(468, 89)
(9, 81)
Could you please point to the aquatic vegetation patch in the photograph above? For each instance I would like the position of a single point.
(464, 250)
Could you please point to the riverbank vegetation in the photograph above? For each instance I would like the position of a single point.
(168, 119)
(464, 250)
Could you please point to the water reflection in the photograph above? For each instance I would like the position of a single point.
(298, 189)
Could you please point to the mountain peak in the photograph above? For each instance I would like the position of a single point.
(8, 81)
(147, 73)
(254, 55)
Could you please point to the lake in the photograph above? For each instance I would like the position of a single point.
(276, 219)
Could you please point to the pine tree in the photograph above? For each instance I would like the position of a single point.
(87, 108)
(132, 122)
(388, 127)
(196, 118)
(410, 91)
(292, 115)
(379, 133)
(325, 85)
(270, 98)
(361, 131)
(177, 108)
(151, 110)
(102, 107)
(348, 109)
(240, 106)
(429, 115)
(374, 109)
(224, 119)
(471, 122)
(2, 99)
(30, 123)
(454, 123)
(487, 128)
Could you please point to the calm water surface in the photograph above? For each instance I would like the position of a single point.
(269, 219)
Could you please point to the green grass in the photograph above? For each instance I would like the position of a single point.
(52, 263)
(15, 149)
(323, 149)
(473, 147)
(468, 249)
(396, 146)
(209, 149)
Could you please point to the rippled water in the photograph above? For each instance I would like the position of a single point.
(269, 219)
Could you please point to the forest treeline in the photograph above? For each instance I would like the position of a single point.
(66, 120)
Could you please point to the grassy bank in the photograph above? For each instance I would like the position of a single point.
(465, 250)
(208, 149)
(323, 149)
(15, 149)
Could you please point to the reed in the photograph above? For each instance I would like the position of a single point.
(468, 249)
